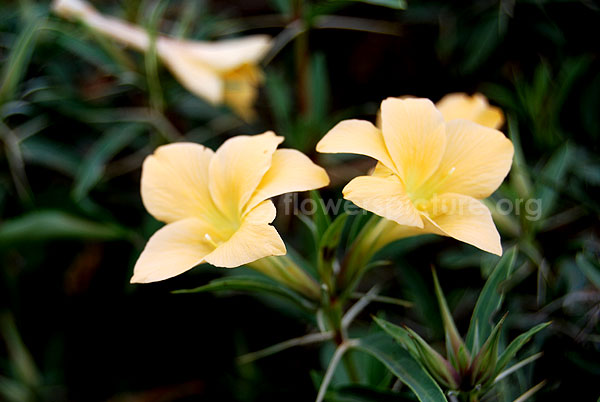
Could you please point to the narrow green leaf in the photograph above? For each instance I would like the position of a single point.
(41, 151)
(484, 364)
(457, 353)
(403, 366)
(516, 345)
(320, 217)
(19, 355)
(439, 367)
(551, 177)
(16, 64)
(50, 224)
(591, 271)
(490, 299)
(396, 4)
(327, 249)
(332, 236)
(111, 143)
(249, 284)
(400, 335)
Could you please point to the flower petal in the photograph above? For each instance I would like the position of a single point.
(227, 54)
(255, 239)
(237, 168)
(198, 77)
(241, 89)
(172, 250)
(466, 219)
(290, 171)
(175, 182)
(385, 197)
(475, 108)
(414, 134)
(356, 137)
(476, 161)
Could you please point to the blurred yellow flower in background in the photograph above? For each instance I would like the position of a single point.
(216, 204)
(475, 108)
(431, 173)
(221, 72)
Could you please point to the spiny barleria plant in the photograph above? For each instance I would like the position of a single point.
(471, 367)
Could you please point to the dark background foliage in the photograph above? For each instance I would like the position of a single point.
(78, 117)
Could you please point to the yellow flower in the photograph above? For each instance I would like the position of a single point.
(475, 108)
(220, 72)
(431, 173)
(216, 204)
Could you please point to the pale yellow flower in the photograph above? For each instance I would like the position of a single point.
(431, 173)
(222, 72)
(216, 204)
(475, 108)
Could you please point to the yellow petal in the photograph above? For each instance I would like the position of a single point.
(175, 182)
(255, 239)
(466, 219)
(263, 213)
(172, 250)
(356, 137)
(380, 170)
(241, 90)
(228, 54)
(195, 75)
(476, 161)
(475, 108)
(414, 134)
(385, 197)
(237, 168)
(290, 171)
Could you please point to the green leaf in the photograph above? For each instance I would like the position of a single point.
(111, 143)
(327, 249)
(591, 271)
(435, 363)
(20, 358)
(50, 224)
(396, 4)
(319, 92)
(16, 64)
(403, 366)
(250, 284)
(512, 349)
(41, 151)
(280, 100)
(484, 364)
(551, 178)
(320, 217)
(490, 300)
(400, 335)
(332, 236)
(455, 346)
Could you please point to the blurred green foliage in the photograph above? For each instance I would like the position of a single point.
(78, 114)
